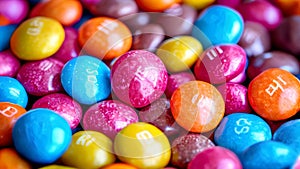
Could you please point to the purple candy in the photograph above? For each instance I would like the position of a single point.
(9, 64)
(14, 10)
(63, 105)
(138, 78)
(229, 3)
(221, 63)
(70, 47)
(235, 97)
(41, 77)
(109, 117)
(175, 80)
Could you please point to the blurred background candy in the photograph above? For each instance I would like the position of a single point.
(9, 12)
(9, 64)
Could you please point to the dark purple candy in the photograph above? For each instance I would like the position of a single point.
(229, 3)
(273, 59)
(115, 8)
(9, 64)
(109, 117)
(185, 148)
(177, 79)
(148, 37)
(41, 77)
(255, 39)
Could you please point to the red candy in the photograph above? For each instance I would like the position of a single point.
(9, 64)
(41, 77)
(63, 105)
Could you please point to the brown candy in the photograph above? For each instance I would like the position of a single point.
(274, 59)
(115, 8)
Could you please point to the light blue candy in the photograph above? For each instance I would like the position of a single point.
(86, 79)
(5, 34)
(41, 136)
(238, 131)
(268, 154)
(289, 133)
(11, 90)
(217, 25)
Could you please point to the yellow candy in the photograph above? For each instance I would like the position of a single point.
(37, 38)
(143, 146)
(56, 167)
(89, 149)
(199, 4)
(179, 53)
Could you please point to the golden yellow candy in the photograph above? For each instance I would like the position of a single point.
(37, 38)
(89, 149)
(56, 167)
(179, 53)
(199, 4)
(143, 146)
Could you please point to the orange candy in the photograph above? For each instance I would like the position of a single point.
(156, 5)
(67, 12)
(275, 94)
(9, 158)
(119, 166)
(197, 106)
(104, 37)
(9, 114)
(289, 7)
(4, 21)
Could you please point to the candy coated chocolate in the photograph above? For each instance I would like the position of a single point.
(288, 7)
(41, 136)
(9, 158)
(9, 64)
(11, 90)
(240, 78)
(63, 105)
(238, 131)
(177, 79)
(115, 8)
(185, 148)
(273, 59)
(109, 117)
(138, 78)
(41, 77)
(5, 33)
(288, 133)
(229, 22)
(229, 3)
(220, 63)
(155, 5)
(137, 20)
(198, 4)
(214, 158)
(255, 39)
(268, 154)
(14, 10)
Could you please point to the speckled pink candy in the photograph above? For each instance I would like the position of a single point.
(138, 78)
(63, 105)
(41, 77)
(175, 80)
(109, 117)
(9, 64)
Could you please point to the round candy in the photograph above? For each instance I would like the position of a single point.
(185, 148)
(138, 78)
(9, 158)
(288, 7)
(214, 158)
(155, 5)
(14, 10)
(235, 97)
(199, 4)
(9, 64)
(89, 149)
(41, 135)
(275, 94)
(5, 34)
(67, 12)
(268, 154)
(288, 133)
(104, 37)
(240, 78)
(4, 21)
(220, 63)
(63, 105)
(86, 79)
(53, 166)
(143, 146)
(137, 20)
(238, 131)
(11, 90)
(37, 38)
(228, 21)
(229, 3)
(177, 79)
(179, 53)
(197, 106)
(9, 113)
(41, 77)
(119, 166)
(109, 117)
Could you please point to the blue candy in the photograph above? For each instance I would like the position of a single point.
(41, 135)
(268, 154)
(5, 34)
(11, 90)
(217, 25)
(238, 131)
(86, 79)
(289, 133)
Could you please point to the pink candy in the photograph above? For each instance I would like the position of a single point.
(14, 10)
(9, 64)
(175, 80)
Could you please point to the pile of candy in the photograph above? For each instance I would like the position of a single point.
(125, 84)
